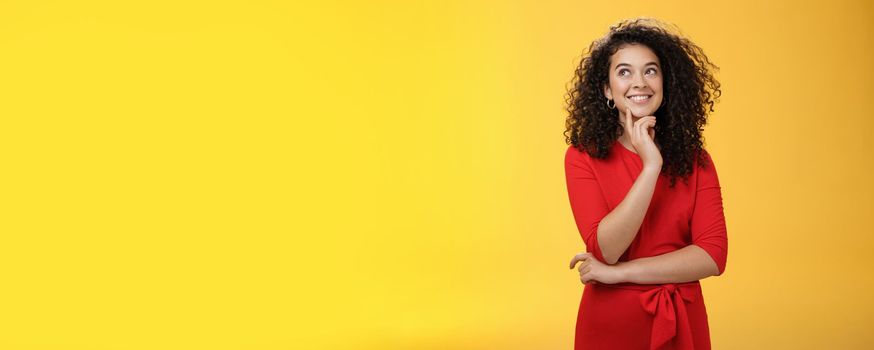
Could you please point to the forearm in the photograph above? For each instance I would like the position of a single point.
(687, 264)
(618, 229)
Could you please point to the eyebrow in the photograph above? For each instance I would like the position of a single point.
(626, 64)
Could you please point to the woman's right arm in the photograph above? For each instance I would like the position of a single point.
(607, 233)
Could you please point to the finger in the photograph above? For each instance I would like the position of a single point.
(636, 134)
(628, 125)
(584, 264)
(644, 131)
(586, 278)
(646, 125)
(638, 123)
(585, 270)
(577, 258)
(574, 260)
(648, 121)
(650, 129)
(642, 126)
(645, 120)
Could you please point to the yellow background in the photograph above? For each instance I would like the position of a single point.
(388, 175)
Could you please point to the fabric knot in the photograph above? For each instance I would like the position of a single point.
(667, 305)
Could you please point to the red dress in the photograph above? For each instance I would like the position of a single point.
(645, 316)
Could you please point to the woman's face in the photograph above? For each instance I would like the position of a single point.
(635, 71)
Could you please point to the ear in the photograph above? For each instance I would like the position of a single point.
(607, 92)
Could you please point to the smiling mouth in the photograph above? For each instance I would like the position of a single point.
(639, 99)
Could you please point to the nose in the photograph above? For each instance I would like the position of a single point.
(638, 81)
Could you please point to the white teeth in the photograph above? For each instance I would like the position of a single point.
(639, 98)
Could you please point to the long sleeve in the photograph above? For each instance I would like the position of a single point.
(708, 219)
(586, 199)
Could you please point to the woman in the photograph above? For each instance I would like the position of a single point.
(637, 106)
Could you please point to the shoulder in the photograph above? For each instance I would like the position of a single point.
(706, 170)
(573, 154)
(705, 161)
(572, 150)
(576, 159)
(579, 154)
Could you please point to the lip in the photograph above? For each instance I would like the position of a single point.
(643, 102)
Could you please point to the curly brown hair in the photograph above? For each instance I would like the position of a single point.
(689, 89)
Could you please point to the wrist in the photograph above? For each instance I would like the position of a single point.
(624, 271)
(652, 169)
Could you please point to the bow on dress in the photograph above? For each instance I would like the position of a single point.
(667, 304)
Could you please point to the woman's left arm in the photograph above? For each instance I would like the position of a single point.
(690, 263)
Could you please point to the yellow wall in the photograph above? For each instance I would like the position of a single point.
(388, 175)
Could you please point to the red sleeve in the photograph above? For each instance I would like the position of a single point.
(708, 218)
(586, 199)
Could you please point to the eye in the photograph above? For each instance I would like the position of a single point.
(623, 71)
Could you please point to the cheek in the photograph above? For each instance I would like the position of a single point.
(618, 87)
(657, 84)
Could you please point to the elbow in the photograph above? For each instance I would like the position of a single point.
(594, 247)
(714, 271)
(606, 257)
(610, 260)
(720, 259)
(717, 254)
(720, 268)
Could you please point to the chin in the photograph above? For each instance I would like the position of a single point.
(645, 109)
(642, 111)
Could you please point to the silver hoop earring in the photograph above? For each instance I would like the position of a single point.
(609, 106)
